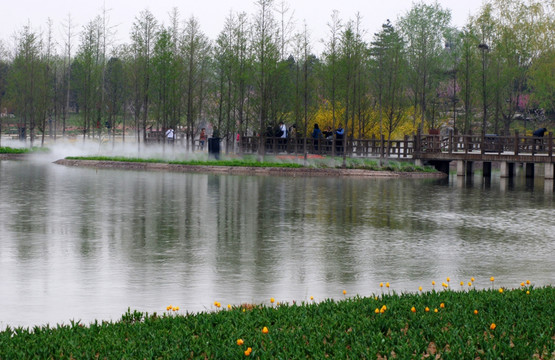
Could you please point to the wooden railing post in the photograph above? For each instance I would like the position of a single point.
(516, 142)
(406, 146)
(550, 145)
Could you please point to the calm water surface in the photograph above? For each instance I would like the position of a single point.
(87, 244)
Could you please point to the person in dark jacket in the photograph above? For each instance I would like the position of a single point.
(339, 134)
(540, 132)
(316, 135)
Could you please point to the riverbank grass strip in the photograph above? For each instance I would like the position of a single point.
(474, 324)
(251, 161)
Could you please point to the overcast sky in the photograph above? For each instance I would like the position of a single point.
(211, 13)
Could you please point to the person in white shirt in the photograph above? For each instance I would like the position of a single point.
(283, 129)
(170, 135)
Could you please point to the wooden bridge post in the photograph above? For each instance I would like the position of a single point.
(550, 145)
(406, 146)
(516, 143)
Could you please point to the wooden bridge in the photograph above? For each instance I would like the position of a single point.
(437, 150)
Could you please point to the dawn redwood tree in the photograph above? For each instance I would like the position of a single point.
(195, 49)
(163, 74)
(88, 65)
(331, 67)
(388, 69)
(143, 38)
(27, 81)
(423, 29)
(114, 86)
(4, 71)
(266, 55)
(468, 78)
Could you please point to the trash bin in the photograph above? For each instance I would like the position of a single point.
(214, 147)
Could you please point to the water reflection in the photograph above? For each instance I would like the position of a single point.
(86, 244)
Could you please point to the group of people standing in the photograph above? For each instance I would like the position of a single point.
(327, 134)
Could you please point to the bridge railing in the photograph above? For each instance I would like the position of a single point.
(374, 147)
(488, 143)
(409, 146)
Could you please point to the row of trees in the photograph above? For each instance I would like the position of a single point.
(419, 72)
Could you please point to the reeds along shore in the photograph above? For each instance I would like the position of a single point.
(443, 323)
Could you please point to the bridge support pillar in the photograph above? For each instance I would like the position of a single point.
(548, 171)
(529, 170)
(469, 168)
(464, 168)
(486, 169)
(548, 186)
(507, 169)
(418, 162)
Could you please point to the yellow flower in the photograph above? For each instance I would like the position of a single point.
(217, 304)
(377, 311)
(382, 310)
(264, 330)
(248, 351)
(312, 298)
(475, 312)
(501, 290)
(527, 292)
(384, 307)
(387, 285)
(427, 309)
(381, 284)
(344, 292)
(522, 283)
(435, 310)
(420, 288)
(272, 300)
(240, 342)
(413, 309)
(469, 283)
(169, 307)
(492, 326)
(472, 279)
(442, 305)
(492, 279)
(433, 283)
(444, 285)
(462, 283)
(527, 282)
(229, 306)
(448, 279)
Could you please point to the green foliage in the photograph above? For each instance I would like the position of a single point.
(9, 150)
(358, 327)
(246, 162)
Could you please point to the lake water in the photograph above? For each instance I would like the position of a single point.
(87, 244)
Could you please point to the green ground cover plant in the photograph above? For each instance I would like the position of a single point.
(466, 324)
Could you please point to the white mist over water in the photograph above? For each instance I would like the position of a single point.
(64, 147)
